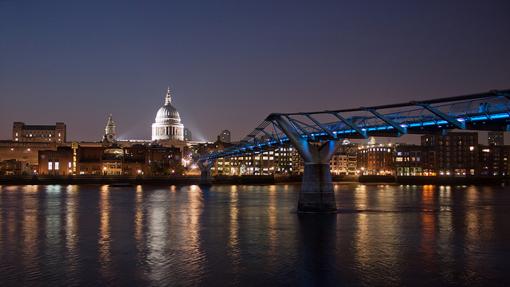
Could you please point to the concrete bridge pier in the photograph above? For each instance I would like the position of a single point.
(317, 194)
(205, 172)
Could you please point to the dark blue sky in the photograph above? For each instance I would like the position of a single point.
(231, 63)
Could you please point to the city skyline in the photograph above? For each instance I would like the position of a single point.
(78, 62)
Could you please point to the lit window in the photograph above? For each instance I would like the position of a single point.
(50, 165)
(56, 165)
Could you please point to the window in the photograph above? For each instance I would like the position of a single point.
(50, 165)
(56, 165)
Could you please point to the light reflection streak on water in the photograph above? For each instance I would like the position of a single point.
(361, 244)
(72, 226)
(196, 258)
(104, 231)
(372, 227)
(233, 241)
(11, 216)
(138, 215)
(360, 197)
(445, 228)
(479, 224)
(272, 221)
(157, 238)
(53, 220)
(392, 231)
(428, 224)
(30, 228)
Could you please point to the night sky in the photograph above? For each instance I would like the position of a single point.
(232, 63)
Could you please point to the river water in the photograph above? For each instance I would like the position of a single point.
(385, 235)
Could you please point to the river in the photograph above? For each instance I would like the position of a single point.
(384, 235)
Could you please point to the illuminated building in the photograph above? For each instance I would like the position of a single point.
(56, 162)
(344, 161)
(167, 125)
(376, 159)
(281, 161)
(88, 159)
(496, 138)
(453, 154)
(14, 167)
(408, 161)
(39, 133)
(493, 160)
(24, 152)
(28, 140)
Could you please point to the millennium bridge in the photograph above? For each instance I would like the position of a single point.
(316, 135)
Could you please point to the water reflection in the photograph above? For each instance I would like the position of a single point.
(233, 241)
(272, 213)
(53, 218)
(194, 263)
(317, 242)
(428, 224)
(138, 214)
(157, 237)
(72, 227)
(30, 228)
(104, 231)
(246, 235)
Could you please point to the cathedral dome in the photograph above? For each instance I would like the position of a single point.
(167, 125)
(168, 114)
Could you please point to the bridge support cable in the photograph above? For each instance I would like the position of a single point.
(389, 121)
(276, 132)
(317, 194)
(453, 121)
(350, 125)
(298, 128)
(321, 126)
